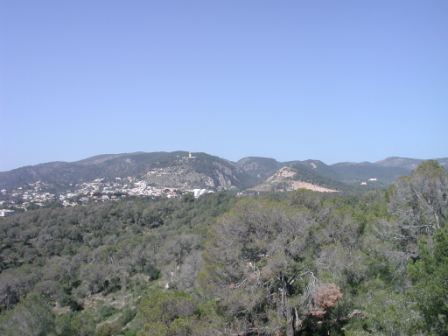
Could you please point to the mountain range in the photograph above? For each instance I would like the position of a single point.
(182, 169)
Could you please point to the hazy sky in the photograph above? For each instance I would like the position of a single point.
(332, 80)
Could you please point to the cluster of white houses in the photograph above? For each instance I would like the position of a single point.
(99, 190)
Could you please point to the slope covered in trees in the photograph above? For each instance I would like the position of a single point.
(297, 263)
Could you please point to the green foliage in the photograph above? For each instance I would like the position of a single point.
(31, 317)
(385, 311)
(107, 311)
(170, 313)
(298, 263)
(76, 324)
(420, 203)
(165, 306)
(430, 275)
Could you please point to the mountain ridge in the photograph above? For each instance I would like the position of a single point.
(107, 156)
(171, 174)
(186, 170)
(256, 167)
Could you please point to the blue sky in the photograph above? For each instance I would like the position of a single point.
(332, 80)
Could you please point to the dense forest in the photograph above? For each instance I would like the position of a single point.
(296, 263)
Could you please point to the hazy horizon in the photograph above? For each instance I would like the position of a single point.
(334, 81)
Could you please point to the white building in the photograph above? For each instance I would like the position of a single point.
(199, 192)
(6, 212)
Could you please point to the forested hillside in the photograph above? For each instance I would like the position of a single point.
(295, 263)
